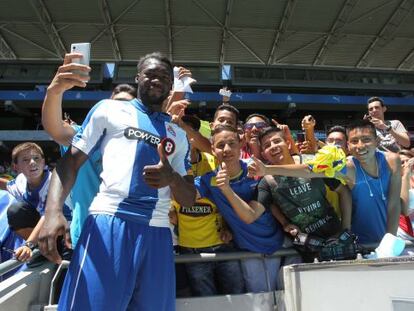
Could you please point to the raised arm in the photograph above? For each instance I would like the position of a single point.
(64, 80)
(258, 168)
(248, 212)
(55, 224)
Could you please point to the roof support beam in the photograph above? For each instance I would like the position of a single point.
(229, 7)
(52, 53)
(168, 27)
(387, 32)
(110, 26)
(338, 25)
(208, 13)
(49, 26)
(6, 52)
(287, 13)
(114, 21)
(301, 48)
(405, 62)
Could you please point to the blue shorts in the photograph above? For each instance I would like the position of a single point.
(120, 265)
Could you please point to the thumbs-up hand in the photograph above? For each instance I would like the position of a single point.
(222, 178)
(256, 168)
(161, 174)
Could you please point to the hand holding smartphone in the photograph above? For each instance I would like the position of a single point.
(85, 50)
(367, 117)
(300, 137)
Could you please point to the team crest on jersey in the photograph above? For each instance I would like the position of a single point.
(171, 130)
(147, 137)
(168, 145)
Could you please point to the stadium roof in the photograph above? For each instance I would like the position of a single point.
(345, 33)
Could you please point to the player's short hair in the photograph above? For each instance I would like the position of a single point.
(258, 115)
(158, 56)
(224, 127)
(23, 147)
(337, 128)
(227, 107)
(270, 130)
(361, 124)
(124, 88)
(375, 99)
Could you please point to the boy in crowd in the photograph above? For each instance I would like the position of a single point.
(254, 228)
(374, 178)
(299, 204)
(201, 229)
(253, 126)
(29, 188)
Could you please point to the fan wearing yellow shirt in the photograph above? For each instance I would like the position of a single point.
(201, 230)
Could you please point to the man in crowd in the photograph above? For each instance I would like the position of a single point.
(299, 204)
(374, 178)
(254, 228)
(201, 229)
(126, 239)
(391, 133)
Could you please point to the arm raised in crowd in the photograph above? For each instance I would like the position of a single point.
(258, 168)
(310, 145)
(248, 212)
(293, 149)
(64, 80)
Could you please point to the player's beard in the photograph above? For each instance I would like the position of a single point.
(153, 101)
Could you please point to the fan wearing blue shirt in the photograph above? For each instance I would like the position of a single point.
(254, 228)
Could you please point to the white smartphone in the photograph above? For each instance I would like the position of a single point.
(84, 49)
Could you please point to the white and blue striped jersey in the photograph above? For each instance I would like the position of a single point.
(35, 198)
(127, 134)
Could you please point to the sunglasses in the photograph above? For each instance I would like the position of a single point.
(258, 125)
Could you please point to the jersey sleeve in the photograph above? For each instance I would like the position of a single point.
(93, 129)
(181, 160)
(398, 126)
(16, 187)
